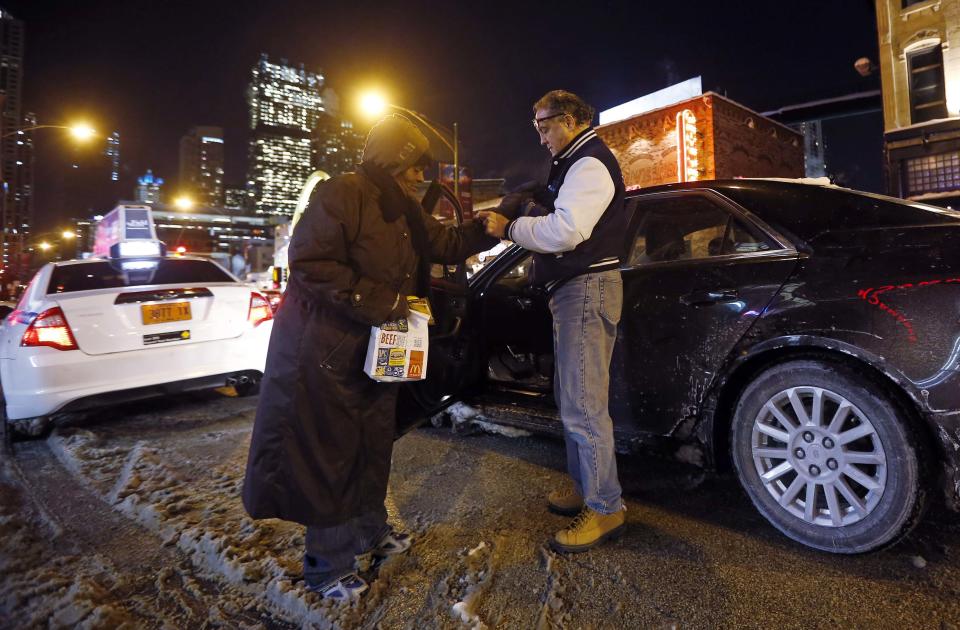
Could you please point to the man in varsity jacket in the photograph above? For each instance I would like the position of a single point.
(575, 228)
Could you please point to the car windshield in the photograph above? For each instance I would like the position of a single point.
(115, 274)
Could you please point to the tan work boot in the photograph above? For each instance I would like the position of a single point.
(588, 530)
(565, 502)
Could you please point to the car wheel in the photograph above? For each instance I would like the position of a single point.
(37, 427)
(827, 457)
(250, 388)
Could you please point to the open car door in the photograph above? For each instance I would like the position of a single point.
(450, 365)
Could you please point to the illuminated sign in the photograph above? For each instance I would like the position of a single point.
(688, 163)
(127, 231)
(666, 97)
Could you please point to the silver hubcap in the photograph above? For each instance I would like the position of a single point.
(819, 456)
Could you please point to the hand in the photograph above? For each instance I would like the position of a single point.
(494, 223)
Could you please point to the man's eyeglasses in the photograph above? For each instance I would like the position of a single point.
(536, 121)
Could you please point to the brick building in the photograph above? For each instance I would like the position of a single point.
(704, 137)
(920, 72)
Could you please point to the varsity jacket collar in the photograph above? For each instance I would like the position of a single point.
(582, 138)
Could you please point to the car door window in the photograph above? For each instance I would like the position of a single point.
(742, 239)
(445, 213)
(689, 227)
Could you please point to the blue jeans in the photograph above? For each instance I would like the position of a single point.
(586, 311)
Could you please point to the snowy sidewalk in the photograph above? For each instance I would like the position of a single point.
(137, 520)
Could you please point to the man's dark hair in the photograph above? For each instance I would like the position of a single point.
(567, 102)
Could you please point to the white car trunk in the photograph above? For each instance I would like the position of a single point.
(139, 317)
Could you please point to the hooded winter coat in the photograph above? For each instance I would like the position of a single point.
(323, 434)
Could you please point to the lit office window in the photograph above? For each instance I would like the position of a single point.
(933, 173)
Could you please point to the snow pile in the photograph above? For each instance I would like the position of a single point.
(499, 429)
(37, 586)
(201, 514)
(463, 415)
(552, 613)
(81, 452)
(468, 589)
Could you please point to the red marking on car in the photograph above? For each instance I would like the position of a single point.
(872, 296)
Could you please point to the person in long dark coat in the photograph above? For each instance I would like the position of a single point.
(323, 435)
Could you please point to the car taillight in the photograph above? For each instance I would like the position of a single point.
(260, 310)
(49, 328)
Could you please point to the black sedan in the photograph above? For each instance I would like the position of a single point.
(807, 336)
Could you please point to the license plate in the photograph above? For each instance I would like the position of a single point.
(162, 313)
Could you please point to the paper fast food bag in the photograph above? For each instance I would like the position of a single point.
(398, 350)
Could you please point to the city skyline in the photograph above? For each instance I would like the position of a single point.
(479, 69)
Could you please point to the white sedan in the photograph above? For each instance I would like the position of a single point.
(93, 332)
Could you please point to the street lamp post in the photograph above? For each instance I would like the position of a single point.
(80, 132)
(374, 104)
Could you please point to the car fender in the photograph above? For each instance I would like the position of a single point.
(711, 432)
(717, 404)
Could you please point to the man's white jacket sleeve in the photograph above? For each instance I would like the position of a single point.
(586, 192)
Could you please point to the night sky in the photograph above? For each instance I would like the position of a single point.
(152, 70)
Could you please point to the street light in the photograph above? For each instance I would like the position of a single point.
(183, 202)
(79, 131)
(186, 203)
(374, 104)
(47, 240)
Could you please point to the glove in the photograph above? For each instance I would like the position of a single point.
(513, 202)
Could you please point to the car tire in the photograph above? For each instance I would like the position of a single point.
(30, 428)
(250, 388)
(848, 478)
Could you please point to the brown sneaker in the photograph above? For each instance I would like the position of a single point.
(565, 502)
(588, 530)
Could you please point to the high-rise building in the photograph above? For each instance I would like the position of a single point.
(239, 198)
(113, 152)
(285, 103)
(920, 74)
(16, 174)
(337, 146)
(148, 188)
(23, 188)
(201, 165)
(814, 151)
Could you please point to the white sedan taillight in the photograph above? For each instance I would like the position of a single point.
(260, 310)
(49, 328)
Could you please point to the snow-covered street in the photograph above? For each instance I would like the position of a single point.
(132, 517)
